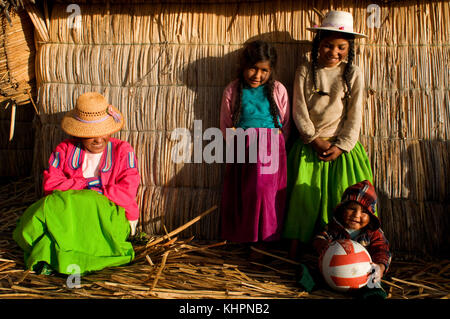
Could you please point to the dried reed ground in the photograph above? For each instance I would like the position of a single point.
(185, 268)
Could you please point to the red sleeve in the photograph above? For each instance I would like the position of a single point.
(123, 189)
(322, 241)
(54, 176)
(379, 249)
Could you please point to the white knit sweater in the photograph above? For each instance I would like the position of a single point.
(327, 116)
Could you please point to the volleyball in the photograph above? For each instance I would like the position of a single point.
(345, 265)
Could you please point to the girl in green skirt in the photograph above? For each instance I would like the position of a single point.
(327, 110)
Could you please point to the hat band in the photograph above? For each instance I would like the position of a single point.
(340, 27)
(94, 121)
(109, 112)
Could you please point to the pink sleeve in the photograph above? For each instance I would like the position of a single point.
(123, 189)
(54, 176)
(226, 115)
(284, 108)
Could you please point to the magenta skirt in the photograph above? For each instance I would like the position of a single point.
(254, 192)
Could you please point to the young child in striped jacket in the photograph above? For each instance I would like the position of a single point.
(355, 219)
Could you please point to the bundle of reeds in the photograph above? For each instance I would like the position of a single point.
(165, 64)
(17, 89)
(17, 53)
(9, 5)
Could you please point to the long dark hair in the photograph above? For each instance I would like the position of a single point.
(315, 59)
(254, 52)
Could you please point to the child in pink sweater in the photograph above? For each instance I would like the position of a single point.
(255, 105)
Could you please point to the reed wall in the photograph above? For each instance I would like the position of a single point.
(165, 64)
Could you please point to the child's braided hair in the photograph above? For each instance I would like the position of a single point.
(254, 52)
(315, 57)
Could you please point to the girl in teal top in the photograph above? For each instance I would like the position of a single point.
(252, 208)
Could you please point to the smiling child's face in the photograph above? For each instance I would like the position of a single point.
(354, 216)
(95, 144)
(257, 74)
(332, 50)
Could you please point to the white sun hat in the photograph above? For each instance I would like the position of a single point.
(337, 21)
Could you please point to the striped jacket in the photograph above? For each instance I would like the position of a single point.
(373, 240)
(119, 176)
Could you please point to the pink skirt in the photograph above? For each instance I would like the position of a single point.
(254, 192)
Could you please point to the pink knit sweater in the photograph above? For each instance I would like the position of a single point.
(118, 173)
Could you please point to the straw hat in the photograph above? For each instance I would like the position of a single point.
(92, 116)
(337, 21)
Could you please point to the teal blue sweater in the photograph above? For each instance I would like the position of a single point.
(255, 109)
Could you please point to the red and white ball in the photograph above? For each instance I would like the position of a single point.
(345, 265)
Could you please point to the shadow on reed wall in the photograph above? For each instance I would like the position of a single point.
(165, 65)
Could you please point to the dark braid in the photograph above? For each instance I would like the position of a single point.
(238, 107)
(270, 85)
(348, 68)
(253, 53)
(315, 59)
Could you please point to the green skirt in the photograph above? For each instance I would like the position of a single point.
(315, 187)
(74, 230)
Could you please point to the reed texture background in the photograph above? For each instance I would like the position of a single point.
(165, 64)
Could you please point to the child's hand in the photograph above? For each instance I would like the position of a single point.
(320, 145)
(382, 269)
(375, 276)
(331, 154)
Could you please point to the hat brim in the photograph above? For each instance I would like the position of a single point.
(76, 128)
(356, 34)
